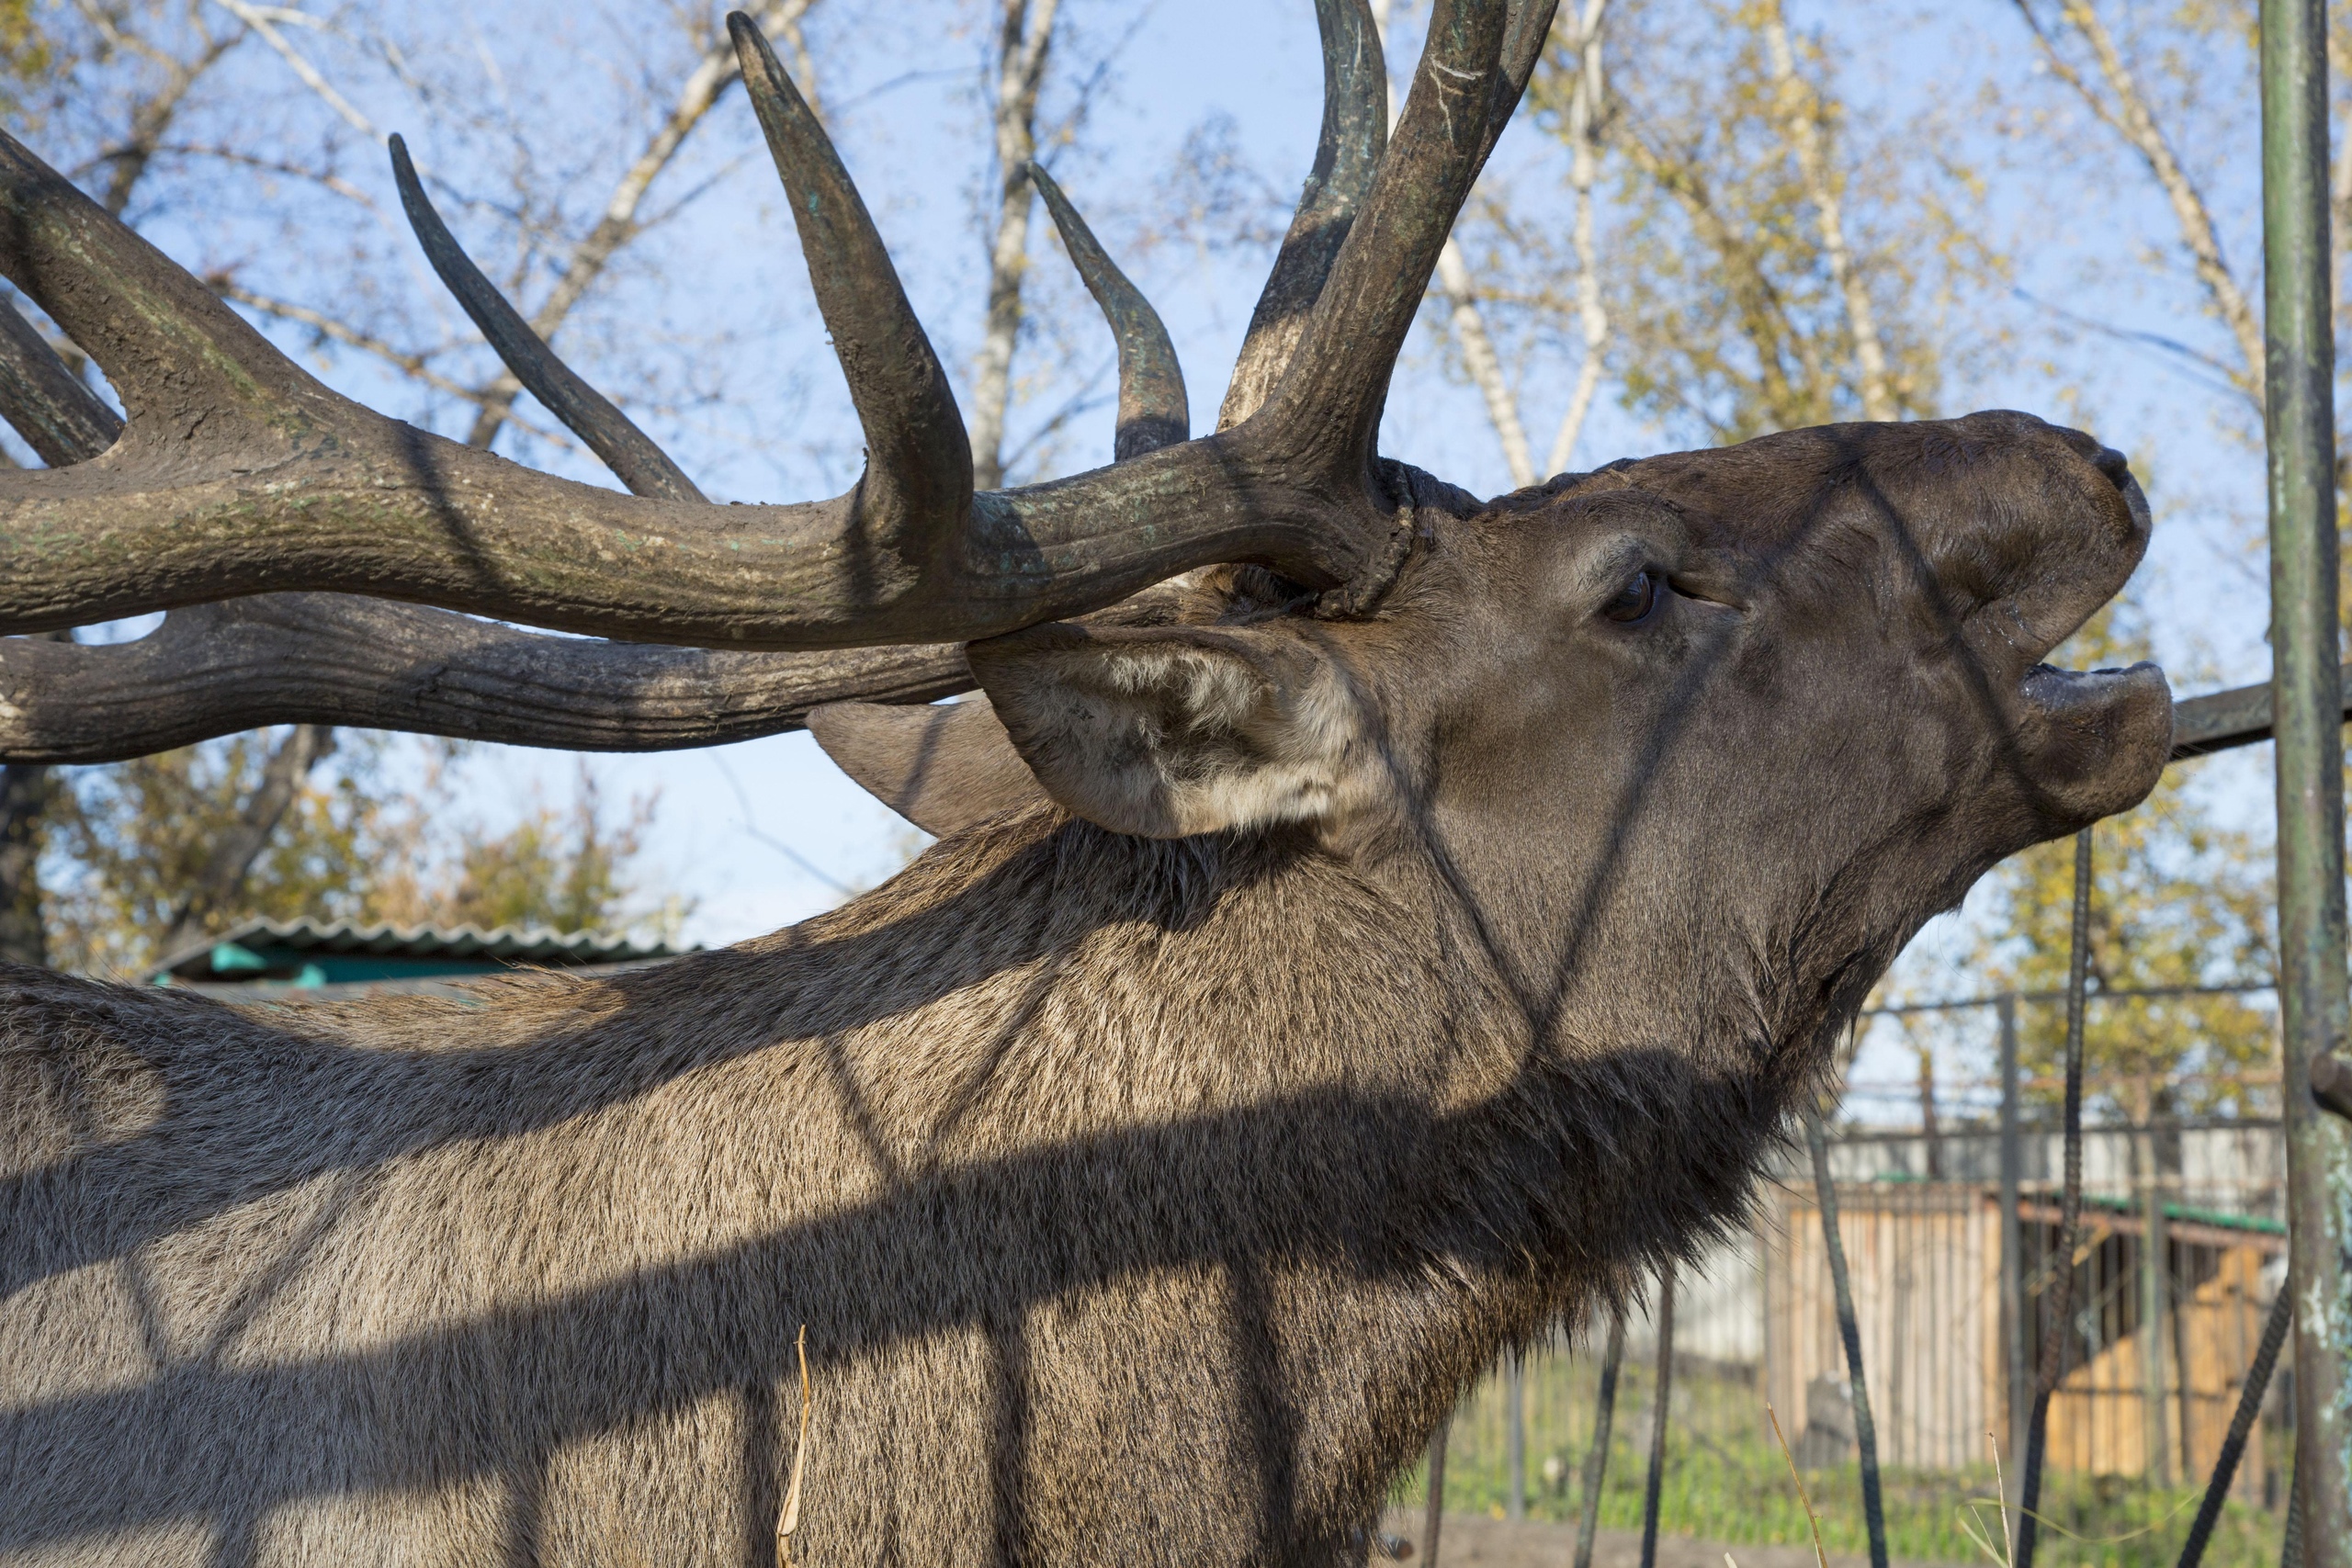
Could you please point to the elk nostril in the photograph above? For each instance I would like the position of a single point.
(2115, 466)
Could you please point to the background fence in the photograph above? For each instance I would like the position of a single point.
(2180, 1252)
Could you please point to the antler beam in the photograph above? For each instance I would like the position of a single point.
(240, 474)
(337, 658)
(341, 660)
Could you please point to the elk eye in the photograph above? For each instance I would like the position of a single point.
(1636, 602)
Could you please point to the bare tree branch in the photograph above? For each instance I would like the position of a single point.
(413, 366)
(232, 861)
(325, 178)
(1800, 112)
(1584, 171)
(153, 116)
(263, 20)
(1024, 40)
(710, 77)
(2127, 114)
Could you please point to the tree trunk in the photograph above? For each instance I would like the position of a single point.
(1799, 110)
(24, 798)
(232, 858)
(1025, 40)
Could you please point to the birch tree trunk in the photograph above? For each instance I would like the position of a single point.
(1486, 368)
(1024, 41)
(1800, 119)
(1584, 172)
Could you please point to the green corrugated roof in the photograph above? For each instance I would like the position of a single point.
(263, 945)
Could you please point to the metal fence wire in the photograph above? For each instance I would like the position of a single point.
(2178, 1259)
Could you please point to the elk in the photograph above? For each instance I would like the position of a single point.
(1371, 926)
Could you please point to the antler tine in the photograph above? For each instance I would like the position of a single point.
(631, 454)
(141, 317)
(60, 418)
(1337, 381)
(1347, 156)
(1152, 410)
(1527, 29)
(918, 460)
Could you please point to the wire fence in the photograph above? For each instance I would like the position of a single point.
(2178, 1258)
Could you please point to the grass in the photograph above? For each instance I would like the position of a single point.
(1725, 1481)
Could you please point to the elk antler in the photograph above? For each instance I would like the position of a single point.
(1152, 410)
(635, 460)
(240, 474)
(339, 660)
(1347, 156)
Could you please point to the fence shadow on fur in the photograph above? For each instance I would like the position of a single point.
(1045, 1223)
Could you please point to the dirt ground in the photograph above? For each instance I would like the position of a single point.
(1471, 1540)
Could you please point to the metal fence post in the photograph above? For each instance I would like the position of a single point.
(2154, 1291)
(1596, 1461)
(1435, 1516)
(1515, 1435)
(2307, 710)
(2058, 1299)
(2012, 1324)
(2225, 1467)
(1850, 1329)
(1661, 1392)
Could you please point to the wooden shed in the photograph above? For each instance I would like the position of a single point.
(1925, 1257)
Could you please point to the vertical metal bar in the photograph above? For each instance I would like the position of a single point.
(1596, 1462)
(1661, 1394)
(2290, 1538)
(2225, 1467)
(2184, 1394)
(1515, 1437)
(1435, 1515)
(1849, 1329)
(2013, 1320)
(2059, 1292)
(2154, 1426)
(2306, 698)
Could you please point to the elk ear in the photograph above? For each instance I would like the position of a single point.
(1170, 731)
(942, 767)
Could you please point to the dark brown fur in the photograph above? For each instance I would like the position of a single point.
(1146, 1200)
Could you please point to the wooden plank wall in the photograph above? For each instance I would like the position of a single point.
(1925, 1259)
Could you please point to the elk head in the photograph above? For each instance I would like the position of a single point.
(1783, 696)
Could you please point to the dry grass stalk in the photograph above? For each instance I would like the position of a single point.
(1812, 1522)
(2001, 1491)
(789, 1520)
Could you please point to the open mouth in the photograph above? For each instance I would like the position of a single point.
(2094, 741)
(2089, 695)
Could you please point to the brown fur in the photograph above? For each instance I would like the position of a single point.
(1146, 1201)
